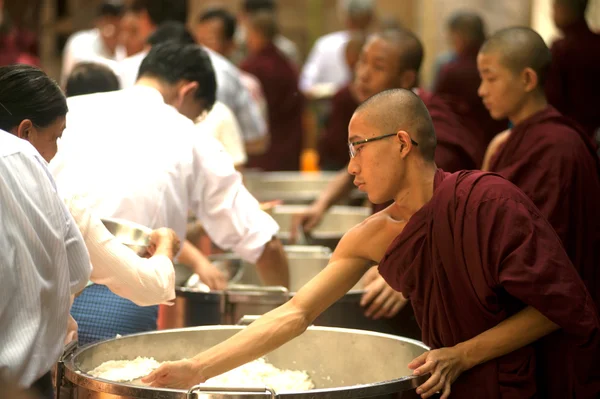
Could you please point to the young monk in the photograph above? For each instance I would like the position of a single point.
(482, 289)
(546, 156)
(573, 85)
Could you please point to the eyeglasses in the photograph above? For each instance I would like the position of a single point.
(353, 150)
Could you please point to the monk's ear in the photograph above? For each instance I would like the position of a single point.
(530, 80)
(405, 143)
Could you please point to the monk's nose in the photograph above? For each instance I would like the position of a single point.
(353, 167)
(481, 90)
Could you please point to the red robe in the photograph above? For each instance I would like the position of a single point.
(458, 83)
(333, 143)
(285, 107)
(557, 167)
(458, 147)
(478, 252)
(573, 84)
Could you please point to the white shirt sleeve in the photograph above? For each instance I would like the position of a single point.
(145, 282)
(310, 71)
(230, 214)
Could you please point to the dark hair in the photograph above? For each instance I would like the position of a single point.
(28, 93)
(252, 6)
(90, 77)
(226, 18)
(470, 25)
(265, 23)
(172, 62)
(161, 11)
(171, 31)
(111, 9)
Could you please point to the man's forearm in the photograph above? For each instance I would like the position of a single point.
(272, 266)
(191, 257)
(339, 188)
(517, 331)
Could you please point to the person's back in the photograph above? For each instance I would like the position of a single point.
(573, 85)
(35, 277)
(139, 156)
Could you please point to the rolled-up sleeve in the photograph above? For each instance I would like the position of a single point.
(229, 213)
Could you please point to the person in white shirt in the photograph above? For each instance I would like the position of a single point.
(222, 125)
(159, 168)
(43, 258)
(100, 44)
(326, 63)
(230, 90)
(144, 281)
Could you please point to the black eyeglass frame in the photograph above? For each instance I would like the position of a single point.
(351, 145)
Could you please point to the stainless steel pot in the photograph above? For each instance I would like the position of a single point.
(343, 364)
(246, 296)
(291, 187)
(336, 222)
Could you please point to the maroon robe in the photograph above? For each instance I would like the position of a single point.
(478, 252)
(458, 83)
(557, 167)
(573, 84)
(285, 107)
(333, 143)
(458, 147)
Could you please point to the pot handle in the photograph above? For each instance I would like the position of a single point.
(197, 390)
(60, 366)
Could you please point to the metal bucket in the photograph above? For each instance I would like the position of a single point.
(336, 222)
(246, 296)
(292, 187)
(343, 364)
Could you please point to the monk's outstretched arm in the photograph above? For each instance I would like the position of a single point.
(517, 331)
(275, 328)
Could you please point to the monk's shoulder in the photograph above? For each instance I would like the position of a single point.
(476, 188)
(376, 231)
(557, 140)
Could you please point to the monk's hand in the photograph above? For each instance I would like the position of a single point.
(444, 365)
(182, 374)
(370, 276)
(381, 300)
(303, 223)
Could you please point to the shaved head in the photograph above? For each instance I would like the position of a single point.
(401, 109)
(520, 48)
(409, 45)
(469, 25)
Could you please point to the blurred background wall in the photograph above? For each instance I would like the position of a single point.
(303, 21)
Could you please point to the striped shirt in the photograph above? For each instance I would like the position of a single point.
(43, 260)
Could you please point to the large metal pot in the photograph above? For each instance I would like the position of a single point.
(291, 187)
(336, 222)
(246, 296)
(343, 364)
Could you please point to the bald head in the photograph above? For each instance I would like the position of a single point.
(409, 47)
(401, 109)
(520, 48)
(469, 26)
